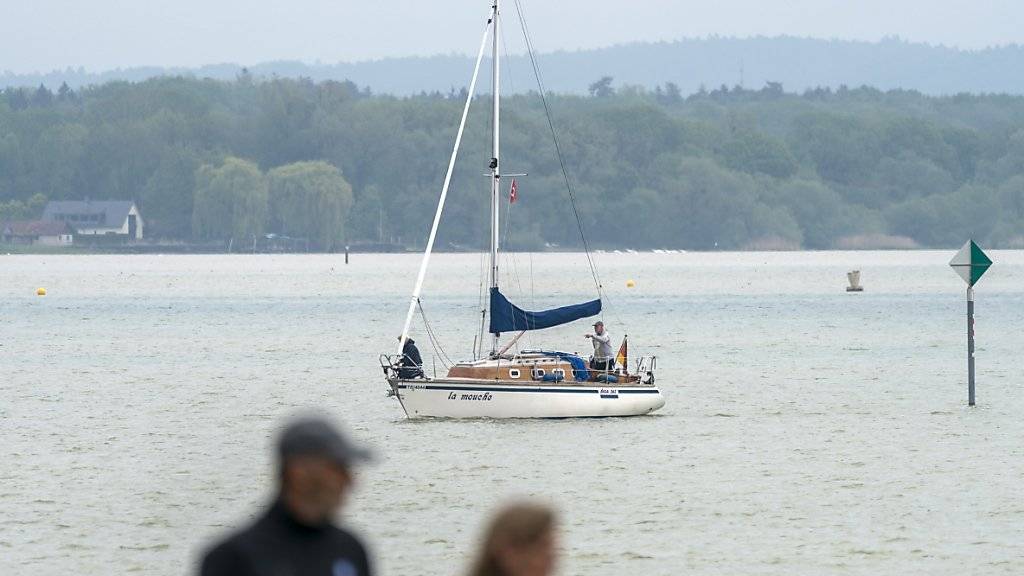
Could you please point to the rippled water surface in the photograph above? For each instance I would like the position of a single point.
(807, 430)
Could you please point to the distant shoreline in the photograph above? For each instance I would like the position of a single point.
(689, 62)
(165, 250)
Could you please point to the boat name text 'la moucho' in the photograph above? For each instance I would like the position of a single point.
(485, 396)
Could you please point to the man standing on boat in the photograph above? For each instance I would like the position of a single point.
(604, 358)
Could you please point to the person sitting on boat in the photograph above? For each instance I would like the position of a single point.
(604, 358)
(411, 365)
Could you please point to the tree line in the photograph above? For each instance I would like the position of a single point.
(799, 63)
(730, 168)
(236, 201)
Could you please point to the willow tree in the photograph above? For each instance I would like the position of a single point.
(230, 201)
(310, 199)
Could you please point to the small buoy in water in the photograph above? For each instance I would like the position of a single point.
(630, 284)
(40, 291)
(854, 278)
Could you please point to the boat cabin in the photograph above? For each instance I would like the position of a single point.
(533, 367)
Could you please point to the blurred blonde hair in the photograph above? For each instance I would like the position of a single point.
(516, 525)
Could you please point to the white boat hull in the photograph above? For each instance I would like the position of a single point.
(450, 398)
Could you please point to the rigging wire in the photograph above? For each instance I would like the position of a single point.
(511, 257)
(558, 148)
(480, 306)
(484, 223)
(487, 231)
(432, 336)
(483, 301)
(508, 62)
(533, 299)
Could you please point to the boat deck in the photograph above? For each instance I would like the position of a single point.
(634, 382)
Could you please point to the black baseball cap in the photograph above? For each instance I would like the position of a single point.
(599, 322)
(316, 436)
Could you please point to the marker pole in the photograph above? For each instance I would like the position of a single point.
(970, 346)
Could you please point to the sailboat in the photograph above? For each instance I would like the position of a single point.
(508, 383)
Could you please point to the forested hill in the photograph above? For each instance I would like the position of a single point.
(796, 63)
(212, 160)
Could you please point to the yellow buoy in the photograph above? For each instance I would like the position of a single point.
(40, 291)
(630, 284)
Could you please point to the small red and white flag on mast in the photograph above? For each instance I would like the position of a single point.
(513, 193)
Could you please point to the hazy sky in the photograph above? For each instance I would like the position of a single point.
(100, 34)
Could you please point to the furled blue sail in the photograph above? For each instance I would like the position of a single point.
(507, 317)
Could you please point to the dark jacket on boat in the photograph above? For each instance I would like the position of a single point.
(412, 363)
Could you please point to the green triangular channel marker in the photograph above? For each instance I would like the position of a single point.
(970, 263)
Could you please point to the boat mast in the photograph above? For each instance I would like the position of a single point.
(444, 194)
(495, 173)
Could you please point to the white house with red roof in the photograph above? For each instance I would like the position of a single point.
(37, 233)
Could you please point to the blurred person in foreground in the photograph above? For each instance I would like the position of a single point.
(296, 535)
(520, 541)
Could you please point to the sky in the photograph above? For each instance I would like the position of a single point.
(98, 35)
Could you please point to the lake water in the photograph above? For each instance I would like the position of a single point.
(807, 430)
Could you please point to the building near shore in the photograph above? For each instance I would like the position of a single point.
(37, 233)
(108, 218)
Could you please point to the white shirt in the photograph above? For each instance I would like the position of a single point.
(602, 346)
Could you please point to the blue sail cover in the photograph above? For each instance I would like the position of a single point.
(507, 317)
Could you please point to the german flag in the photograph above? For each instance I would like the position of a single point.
(623, 356)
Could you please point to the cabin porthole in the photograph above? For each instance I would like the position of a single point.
(513, 373)
(538, 373)
(559, 373)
